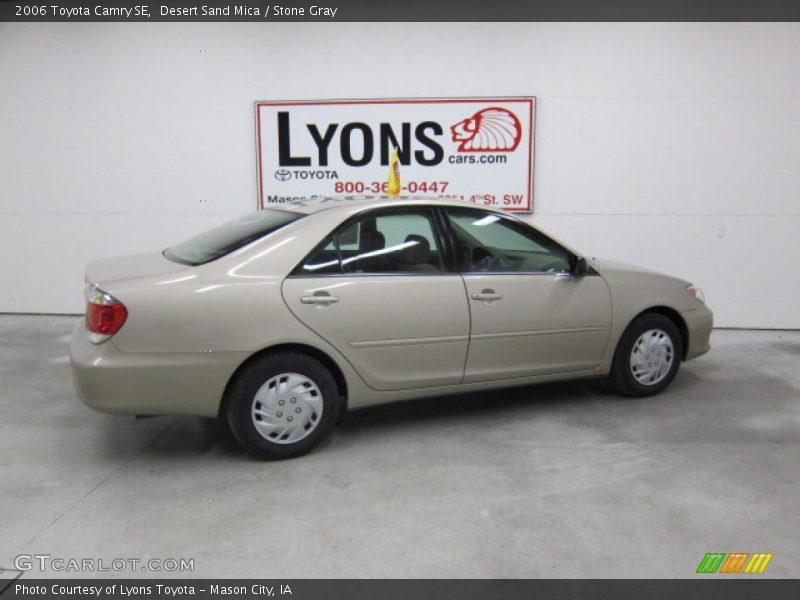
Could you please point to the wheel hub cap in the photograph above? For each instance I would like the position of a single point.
(287, 408)
(652, 357)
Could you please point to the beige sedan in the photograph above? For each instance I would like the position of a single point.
(281, 319)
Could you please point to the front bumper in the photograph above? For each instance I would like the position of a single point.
(149, 384)
(699, 323)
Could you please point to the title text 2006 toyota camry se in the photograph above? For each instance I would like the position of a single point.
(283, 318)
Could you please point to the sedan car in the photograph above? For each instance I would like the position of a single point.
(278, 321)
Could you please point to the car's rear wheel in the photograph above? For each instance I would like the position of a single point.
(648, 356)
(282, 405)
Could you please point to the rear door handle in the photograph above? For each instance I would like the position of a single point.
(320, 299)
(487, 295)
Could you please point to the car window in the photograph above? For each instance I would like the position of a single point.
(222, 240)
(324, 261)
(396, 228)
(402, 242)
(488, 242)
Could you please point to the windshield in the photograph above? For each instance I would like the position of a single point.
(231, 236)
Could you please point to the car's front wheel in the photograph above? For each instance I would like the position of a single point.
(282, 405)
(648, 356)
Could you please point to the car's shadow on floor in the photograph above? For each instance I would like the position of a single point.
(454, 407)
(193, 436)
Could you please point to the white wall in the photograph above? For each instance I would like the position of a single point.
(674, 146)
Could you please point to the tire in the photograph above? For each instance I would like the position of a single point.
(658, 349)
(282, 405)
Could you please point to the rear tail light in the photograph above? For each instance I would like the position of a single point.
(105, 315)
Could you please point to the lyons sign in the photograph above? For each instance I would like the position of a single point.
(478, 150)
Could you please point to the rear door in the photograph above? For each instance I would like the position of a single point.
(380, 290)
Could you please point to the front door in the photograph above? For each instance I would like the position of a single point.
(530, 315)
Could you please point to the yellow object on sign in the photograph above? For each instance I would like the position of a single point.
(393, 187)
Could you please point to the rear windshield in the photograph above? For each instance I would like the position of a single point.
(231, 236)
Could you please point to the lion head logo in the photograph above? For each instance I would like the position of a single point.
(492, 129)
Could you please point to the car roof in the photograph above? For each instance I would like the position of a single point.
(314, 204)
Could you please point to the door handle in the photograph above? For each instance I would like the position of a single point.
(487, 295)
(319, 298)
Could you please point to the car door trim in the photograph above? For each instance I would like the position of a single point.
(510, 334)
(408, 341)
(561, 275)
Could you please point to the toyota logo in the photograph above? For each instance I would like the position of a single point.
(283, 175)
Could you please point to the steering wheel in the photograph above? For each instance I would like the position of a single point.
(482, 259)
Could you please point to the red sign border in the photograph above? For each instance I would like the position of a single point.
(530, 100)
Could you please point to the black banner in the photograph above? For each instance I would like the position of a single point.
(401, 10)
(734, 588)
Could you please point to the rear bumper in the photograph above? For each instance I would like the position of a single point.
(699, 322)
(149, 384)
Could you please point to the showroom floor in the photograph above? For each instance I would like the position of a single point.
(561, 480)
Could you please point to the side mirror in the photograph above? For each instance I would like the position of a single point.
(581, 267)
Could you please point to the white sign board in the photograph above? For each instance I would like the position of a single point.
(475, 149)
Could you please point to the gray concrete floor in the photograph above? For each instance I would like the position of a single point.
(563, 480)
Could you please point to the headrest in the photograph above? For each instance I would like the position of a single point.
(372, 240)
(418, 252)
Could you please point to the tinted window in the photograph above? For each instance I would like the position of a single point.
(402, 242)
(491, 243)
(231, 236)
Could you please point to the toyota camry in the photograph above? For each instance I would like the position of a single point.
(280, 320)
